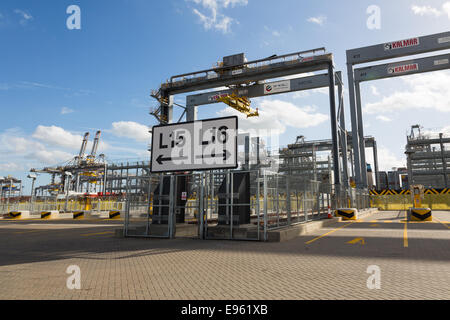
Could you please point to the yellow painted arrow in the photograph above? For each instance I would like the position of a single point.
(357, 240)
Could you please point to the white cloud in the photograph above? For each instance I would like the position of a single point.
(425, 91)
(132, 130)
(320, 20)
(4, 86)
(384, 118)
(15, 145)
(386, 159)
(25, 16)
(10, 167)
(51, 156)
(435, 132)
(425, 10)
(374, 91)
(54, 135)
(431, 11)
(216, 19)
(66, 110)
(446, 8)
(276, 115)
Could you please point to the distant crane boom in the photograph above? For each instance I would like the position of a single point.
(83, 145)
(95, 145)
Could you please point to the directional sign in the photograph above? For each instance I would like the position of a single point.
(198, 145)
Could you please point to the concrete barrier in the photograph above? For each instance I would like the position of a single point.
(420, 214)
(114, 215)
(347, 213)
(78, 215)
(19, 215)
(55, 215)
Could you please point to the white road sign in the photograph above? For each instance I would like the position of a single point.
(199, 145)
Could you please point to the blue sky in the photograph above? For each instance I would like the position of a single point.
(56, 83)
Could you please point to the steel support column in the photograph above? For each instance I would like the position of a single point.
(191, 112)
(342, 131)
(362, 144)
(444, 163)
(334, 127)
(354, 118)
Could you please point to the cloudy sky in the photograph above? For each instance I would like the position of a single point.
(56, 83)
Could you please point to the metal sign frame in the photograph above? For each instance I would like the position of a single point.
(383, 51)
(152, 155)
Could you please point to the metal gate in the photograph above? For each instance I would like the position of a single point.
(207, 205)
(232, 205)
(148, 213)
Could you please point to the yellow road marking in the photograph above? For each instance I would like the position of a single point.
(442, 222)
(98, 233)
(357, 240)
(375, 225)
(405, 232)
(319, 237)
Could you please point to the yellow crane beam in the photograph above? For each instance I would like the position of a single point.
(241, 104)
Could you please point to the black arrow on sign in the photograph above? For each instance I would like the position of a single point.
(160, 159)
(226, 154)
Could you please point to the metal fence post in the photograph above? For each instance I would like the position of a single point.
(257, 203)
(201, 209)
(149, 204)
(171, 207)
(127, 209)
(265, 206)
(288, 201)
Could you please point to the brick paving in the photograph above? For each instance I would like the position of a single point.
(34, 257)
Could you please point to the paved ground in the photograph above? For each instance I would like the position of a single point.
(414, 260)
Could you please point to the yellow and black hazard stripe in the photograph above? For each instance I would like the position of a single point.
(78, 215)
(421, 214)
(114, 214)
(46, 215)
(346, 214)
(15, 214)
(445, 191)
(431, 191)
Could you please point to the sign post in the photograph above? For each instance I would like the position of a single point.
(197, 145)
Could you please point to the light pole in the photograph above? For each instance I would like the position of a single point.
(33, 177)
